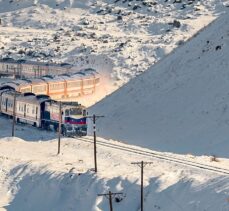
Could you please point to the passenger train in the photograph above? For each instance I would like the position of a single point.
(41, 111)
(65, 86)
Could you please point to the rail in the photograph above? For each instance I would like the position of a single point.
(160, 156)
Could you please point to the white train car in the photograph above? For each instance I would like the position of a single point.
(28, 107)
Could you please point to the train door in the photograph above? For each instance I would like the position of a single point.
(6, 104)
(36, 112)
(25, 110)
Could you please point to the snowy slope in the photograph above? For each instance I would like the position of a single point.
(33, 177)
(180, 104)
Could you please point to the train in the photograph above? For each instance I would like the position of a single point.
(43, 112)
(64, 86)
(30, 69)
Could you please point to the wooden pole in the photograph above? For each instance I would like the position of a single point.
(142, 165)
(110, 201)
(142, 186)
(95, 151)
(59, 130)
(94, 118)
(14, 114)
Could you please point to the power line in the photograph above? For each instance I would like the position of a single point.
(59, 130)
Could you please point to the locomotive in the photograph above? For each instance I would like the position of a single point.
(43, 112)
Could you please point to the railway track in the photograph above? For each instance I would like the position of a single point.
(166, 158)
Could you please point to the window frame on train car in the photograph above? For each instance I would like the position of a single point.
(75, 109)
(67, 112)
(74, 84)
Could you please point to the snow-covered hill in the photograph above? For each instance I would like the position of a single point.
(131, 35)
(180, 104)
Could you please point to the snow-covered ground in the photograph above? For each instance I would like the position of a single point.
(34, 177)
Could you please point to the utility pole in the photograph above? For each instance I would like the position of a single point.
(94, 118)
(60, 122)
(109, 196)
(14, 115)
(141, 164)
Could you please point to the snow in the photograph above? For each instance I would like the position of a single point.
(177, 108)
(34, 177)
(178, 105)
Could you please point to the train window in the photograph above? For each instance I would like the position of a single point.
(74, 84)
(66, 112)
(57, 86)
(75, 111)
(40, 88)
(84, 113)
(88, 82)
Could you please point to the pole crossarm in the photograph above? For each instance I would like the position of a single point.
(109, 196)
(95, 116)
(142, 163)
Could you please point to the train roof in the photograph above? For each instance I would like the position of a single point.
(23, 61)
(27, 97)
(65, 104)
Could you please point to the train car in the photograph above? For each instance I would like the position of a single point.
(27, 108)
